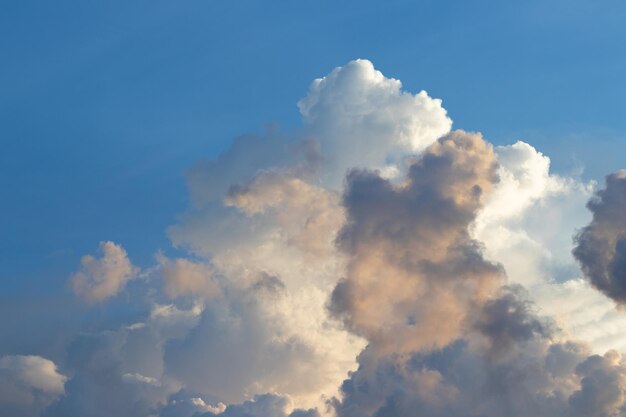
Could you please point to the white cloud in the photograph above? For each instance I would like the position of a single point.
(281, 217)
(363, 119)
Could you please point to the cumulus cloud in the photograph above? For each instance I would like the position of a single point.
(529, 218)
(601, 246)
(363, 119)
(267, 214)
(121, 372)
(527, 224)
(246, 344)
(498, 357)
(28, 384)
(185, 404)
(103, 277)
(353, 117)
(415, 273)
(534, 378)
(368, 265)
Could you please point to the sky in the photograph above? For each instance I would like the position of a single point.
(248, 207)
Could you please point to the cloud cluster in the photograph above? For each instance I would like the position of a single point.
(370, 265)
(446, 338)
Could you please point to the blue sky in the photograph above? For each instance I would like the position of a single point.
(179, 238)
(104, 105)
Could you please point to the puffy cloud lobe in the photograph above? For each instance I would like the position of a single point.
(528, 219)
(507, 320)
(364, 119)
(189, 404)
(243, 345)
(524, 178)
(414, 273)
(309, 216)
(601, 246)
(28, 384)
(602, 386)
(101, 278)
(273, 249)
(266, 405)
(183, 276)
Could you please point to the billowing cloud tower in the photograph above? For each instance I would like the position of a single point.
(375, 264)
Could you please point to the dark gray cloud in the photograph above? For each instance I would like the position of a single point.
(508, 320)
(601, 246)
(414, 274)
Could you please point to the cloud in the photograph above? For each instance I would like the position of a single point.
(529, 218)
(535, 377)
(414, 273)
(372, 263)
(468, 344)
(183, 276)
(266, 405)
(245, 344)
(287, 200)
(121, 372)
(102, 278)
(268, 211)
(185, 404)
(527, 224)
(363, 119)
(353, 117)
(601, 246)
(28, 384)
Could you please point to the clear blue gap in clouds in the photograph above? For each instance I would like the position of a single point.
(103, 105)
